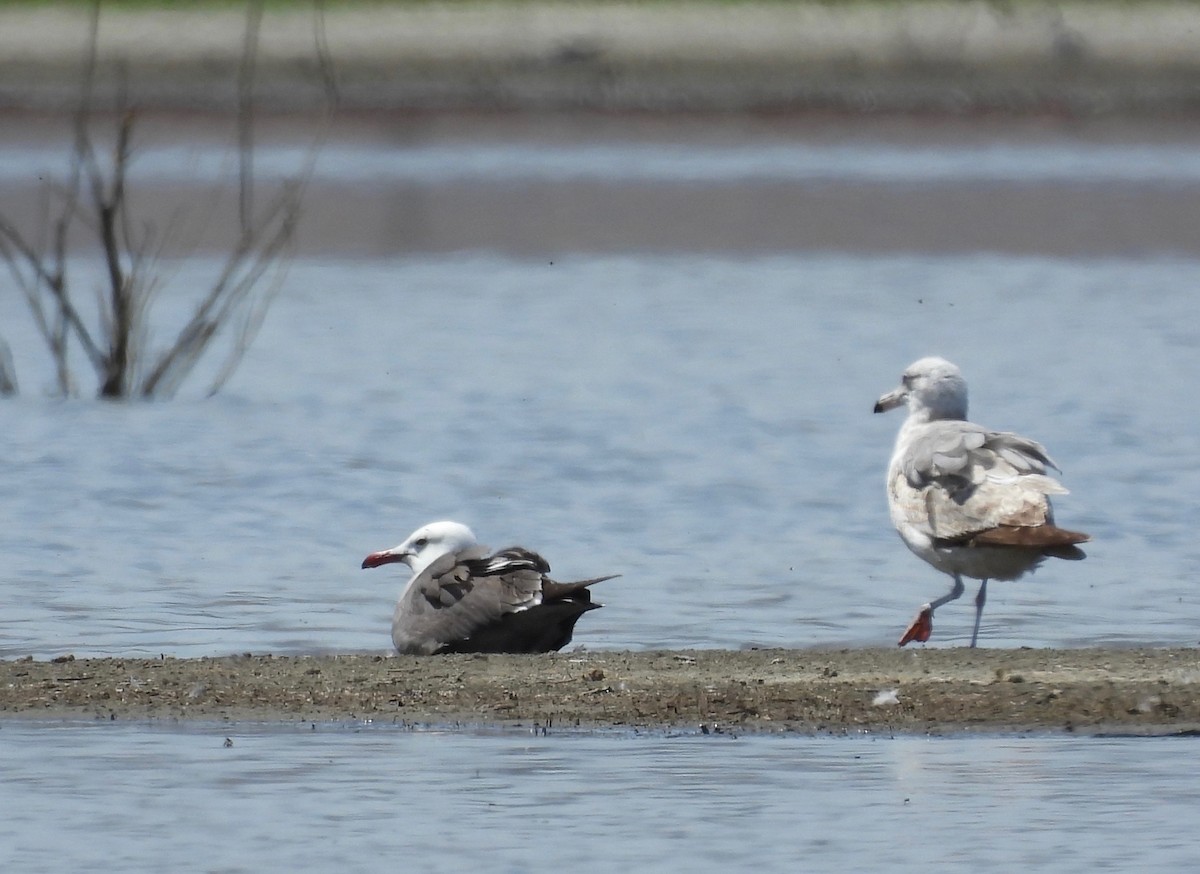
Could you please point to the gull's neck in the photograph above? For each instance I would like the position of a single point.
(921, 414)
(918, 417)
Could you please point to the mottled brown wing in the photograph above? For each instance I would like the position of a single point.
(1018, 501)
(959, 480)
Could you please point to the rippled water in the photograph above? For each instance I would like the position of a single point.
(139, 799)
(701, 425)
(698, 421)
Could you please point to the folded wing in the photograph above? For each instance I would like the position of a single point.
(500, 603)
(962, 484)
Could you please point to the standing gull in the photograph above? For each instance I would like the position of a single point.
(460, 599)
(970, 501)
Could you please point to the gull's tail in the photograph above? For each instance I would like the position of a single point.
(1053, 541)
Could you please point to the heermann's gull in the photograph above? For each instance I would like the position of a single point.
(460, 599)
(969, 501)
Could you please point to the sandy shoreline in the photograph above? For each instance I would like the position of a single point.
(935, 690)
(928, 56)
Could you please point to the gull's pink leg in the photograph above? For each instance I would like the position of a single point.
(922, 626)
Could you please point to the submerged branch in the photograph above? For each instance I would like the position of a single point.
(94, 196)
(245, 117)
(8, 371)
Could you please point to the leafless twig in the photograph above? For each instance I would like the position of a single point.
(95, 196)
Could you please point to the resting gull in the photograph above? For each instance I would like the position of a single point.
(970, 501)
(460, 599)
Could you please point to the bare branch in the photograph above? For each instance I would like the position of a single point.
(121, 307)
(245, 118)
(325, 58)
(94, 197)
(12, 244)
(253, 255)
(256, 313)
(8, 371)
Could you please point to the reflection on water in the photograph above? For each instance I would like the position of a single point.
(142, 799)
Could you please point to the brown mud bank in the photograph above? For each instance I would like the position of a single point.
(939, 690)
(1084, 57)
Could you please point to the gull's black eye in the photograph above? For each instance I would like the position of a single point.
(421, 543)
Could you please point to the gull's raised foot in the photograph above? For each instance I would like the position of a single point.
(921, 627)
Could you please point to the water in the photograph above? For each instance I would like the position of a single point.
(700, 425)
(507, 161)
(141, 799)
(697, 420)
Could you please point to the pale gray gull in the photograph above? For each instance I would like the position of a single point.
(971, 502)
(461, 599)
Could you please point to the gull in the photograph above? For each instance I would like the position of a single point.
(461, 599)
(969, 501)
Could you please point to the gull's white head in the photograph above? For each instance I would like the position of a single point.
(425, 545)
(933, 388)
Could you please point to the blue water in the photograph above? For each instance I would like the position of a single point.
(137, 798)
(700, 425)
(699, 422)
(1060, 159)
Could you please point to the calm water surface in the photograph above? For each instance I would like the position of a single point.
(150, 799)
(698, 421)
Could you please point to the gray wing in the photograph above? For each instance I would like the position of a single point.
(447, 602)
(948, 452)
(956, 479)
